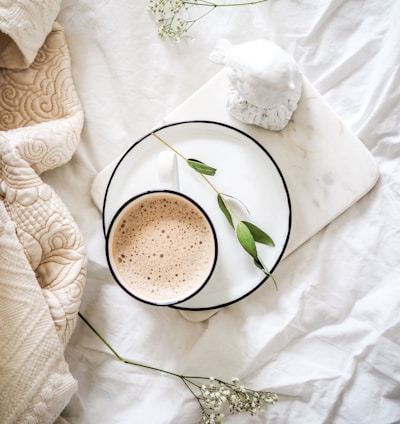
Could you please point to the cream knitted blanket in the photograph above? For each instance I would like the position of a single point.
(42, 257)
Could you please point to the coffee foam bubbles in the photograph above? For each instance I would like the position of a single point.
(163, 247)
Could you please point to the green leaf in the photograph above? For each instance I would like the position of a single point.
(246, 239)
(259, 235)
(259, 264)
(225, 210)
(201, 167)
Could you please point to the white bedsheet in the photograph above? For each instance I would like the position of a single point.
(329, 340)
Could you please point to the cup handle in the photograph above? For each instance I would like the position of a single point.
(168, 170)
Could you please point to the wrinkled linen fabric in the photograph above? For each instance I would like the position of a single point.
(328, 340)
(43, 258)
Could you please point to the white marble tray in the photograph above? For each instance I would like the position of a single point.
(326, 167)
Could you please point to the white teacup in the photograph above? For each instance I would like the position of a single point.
(161, 247)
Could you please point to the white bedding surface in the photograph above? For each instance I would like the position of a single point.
(328, 341)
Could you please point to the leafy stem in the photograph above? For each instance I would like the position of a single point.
(247, 233)
(200, 167)
(212, 396)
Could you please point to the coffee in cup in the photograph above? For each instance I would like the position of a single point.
(161, 247)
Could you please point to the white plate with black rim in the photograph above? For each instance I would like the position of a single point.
(245, 171)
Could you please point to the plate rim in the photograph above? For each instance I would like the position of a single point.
(243, 133)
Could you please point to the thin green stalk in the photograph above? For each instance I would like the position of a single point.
(193, 21)
(211, 4)
(169, 146)
(122, 359)
(100, 337)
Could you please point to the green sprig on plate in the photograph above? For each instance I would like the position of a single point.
(247, 233)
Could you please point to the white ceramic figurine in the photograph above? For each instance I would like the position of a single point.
(265, 82)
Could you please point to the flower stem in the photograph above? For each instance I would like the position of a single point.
(174, 22)
(119, 357)
(211, 4)
(202, 399)
(100, 336)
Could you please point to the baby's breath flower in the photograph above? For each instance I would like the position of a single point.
(175, 17)
(172, 17)
(218, 393)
